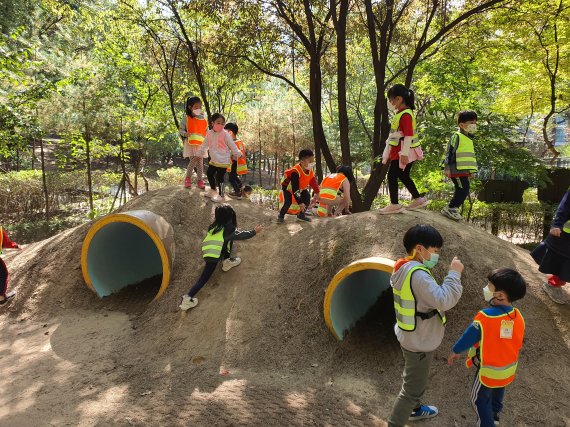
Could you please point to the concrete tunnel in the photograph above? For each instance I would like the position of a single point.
(353, 291)
(125, 249)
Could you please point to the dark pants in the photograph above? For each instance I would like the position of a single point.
(395, 174)
(3, 276)
(288, 199)
(234, 178)
(216, 177)
(209, 269)
(461, 191)
(486, 402)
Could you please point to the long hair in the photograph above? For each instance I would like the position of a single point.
(222, 216)
(190, 103)
(404, 92)
(346, 171)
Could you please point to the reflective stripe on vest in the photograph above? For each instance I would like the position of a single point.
(322, 210)
(304, 178)
(395, 126)
(196, 130)
(294, 209)
(405, 303)
(331, 185)
(212, 244)
(465, 154)
(498, 356)
(242, 161)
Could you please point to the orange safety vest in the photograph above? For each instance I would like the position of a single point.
(294, 209)
(196, 130)
(329, 190)
(242, 161)
(498, 349)
(304, 178)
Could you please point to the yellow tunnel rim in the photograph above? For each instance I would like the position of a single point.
(125, 217)
(371, 263)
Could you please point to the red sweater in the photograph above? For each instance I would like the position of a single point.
(6, 242)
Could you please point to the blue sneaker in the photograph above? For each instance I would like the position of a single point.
(423, 412)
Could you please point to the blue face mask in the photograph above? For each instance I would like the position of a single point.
(431, 262)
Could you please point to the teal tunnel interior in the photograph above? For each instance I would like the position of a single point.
(354, 296)
(121, 254)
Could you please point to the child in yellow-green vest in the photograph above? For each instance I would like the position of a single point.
(460, 162)
(216, 247)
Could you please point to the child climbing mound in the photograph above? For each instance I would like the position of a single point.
(216, 247)
(496, 356)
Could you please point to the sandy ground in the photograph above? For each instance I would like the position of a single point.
(256, 350)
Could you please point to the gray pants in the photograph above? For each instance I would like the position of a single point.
(416, 372)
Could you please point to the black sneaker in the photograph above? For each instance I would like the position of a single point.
(280, 219)
(496, 419)
(302, 217)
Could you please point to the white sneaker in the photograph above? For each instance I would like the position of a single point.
(392, 209)
(555, 293)
(230, 263)
(218, 199)
(188, 303)
(211, 193)
(452, 213)
(420, 202)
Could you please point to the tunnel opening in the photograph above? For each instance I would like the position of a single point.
(359, 296)
(125, 258)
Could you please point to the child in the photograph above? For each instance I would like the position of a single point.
(331, 186)
(495, 356)
(216, 246)
(460, 162)
(221, 146)
(5, 242)
(294, 186)
(193, 130)
(553, 255)
(420, 319)
(239, 166)
(402, 149)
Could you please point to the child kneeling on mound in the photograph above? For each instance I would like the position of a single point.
(496, 356)
(216, 246)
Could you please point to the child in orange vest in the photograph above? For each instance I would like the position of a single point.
(193, 129)
(5, 243)
(494, 340)
(239, 166)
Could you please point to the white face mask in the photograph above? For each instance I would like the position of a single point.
(197, 111)
(391, 106)
(471, 128)
(487, 294)
(311, 165)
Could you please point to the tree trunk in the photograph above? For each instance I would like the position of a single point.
(89, 180)
(44, 181)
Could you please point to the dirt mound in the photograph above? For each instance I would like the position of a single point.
(263, 323)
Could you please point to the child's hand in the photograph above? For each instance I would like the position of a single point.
(555, 232)
(456, 265)
(452, 358)
(258, 229)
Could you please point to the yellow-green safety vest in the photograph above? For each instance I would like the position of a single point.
(465, 154)
(405, 303)
(212, 244)
(395, 140)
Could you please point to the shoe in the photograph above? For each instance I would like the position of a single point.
(423, 412)
(496, 419)
(280, 219)
(8, 297)
(309, 212)
(302, 217)
(420, 202)
(555, 293)
(218, 199)
(201, 184)
(391, 209)
(188, 182)
(188, 303)
(230, 263)
(211, 193)
(235, 195)
(451, 213)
